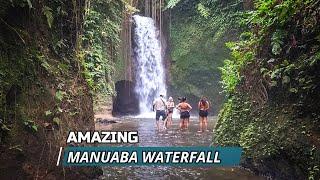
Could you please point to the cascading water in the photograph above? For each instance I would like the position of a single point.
(149, 70)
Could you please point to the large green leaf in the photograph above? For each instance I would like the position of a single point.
(285, 79)
(29, 3)
(59, 95)
(47, 11)
(172, 4)
(56, 121)
(48, 113)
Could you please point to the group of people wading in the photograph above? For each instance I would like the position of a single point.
(164, 109)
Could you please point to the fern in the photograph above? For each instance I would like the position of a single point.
(277, 42)
(29, 3)
(171, 4)
(47, 11)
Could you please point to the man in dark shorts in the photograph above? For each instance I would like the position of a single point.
(159, 105)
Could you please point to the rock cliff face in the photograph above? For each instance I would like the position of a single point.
(43, 94)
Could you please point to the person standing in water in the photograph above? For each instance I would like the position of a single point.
(159, 105)
(170, 107)
(184, 109)
(203, 106)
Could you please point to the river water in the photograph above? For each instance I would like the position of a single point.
(149, 136)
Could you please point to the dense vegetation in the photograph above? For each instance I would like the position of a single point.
(198, 35)
(55, 59)
(271, 81)
(100, 41)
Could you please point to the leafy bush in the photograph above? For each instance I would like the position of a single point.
(100, 39)
(278, 57)
(208, 26)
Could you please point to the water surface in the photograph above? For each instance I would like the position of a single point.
(173, 136)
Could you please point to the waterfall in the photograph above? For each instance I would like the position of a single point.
(148, 64)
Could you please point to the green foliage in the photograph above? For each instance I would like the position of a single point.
(208, 26)
(3, 126)
(204, 11)
(4, 130)
(230, 76)
(232, 117)
(39, 70)
(29, 3)
(171, 4)
(38, 44)
(48, 113)
(30, 125)
(47, 11)
(283, 44)
(266, 133)
(272, 13)
(277, 42)
(22, 3)
(101, 33)
(274, 34)
(16, 148)
(15, 75)
(56, 121)
(314, 168)
(230, 72)
(59, 95)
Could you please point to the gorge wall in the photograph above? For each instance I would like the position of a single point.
(54, 63)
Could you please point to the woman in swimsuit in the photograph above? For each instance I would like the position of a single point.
(170, 107)
(203, 106)
(184, 109)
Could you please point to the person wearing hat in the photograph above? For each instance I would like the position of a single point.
(184, 109)
(170, 107)
(159, 105)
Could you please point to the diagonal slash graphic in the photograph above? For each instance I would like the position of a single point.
(59, 156)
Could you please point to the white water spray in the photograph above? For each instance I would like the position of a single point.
(149, 70)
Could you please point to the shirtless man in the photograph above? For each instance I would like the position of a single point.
(159, 105)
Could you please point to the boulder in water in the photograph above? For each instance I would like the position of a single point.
(126, 102)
